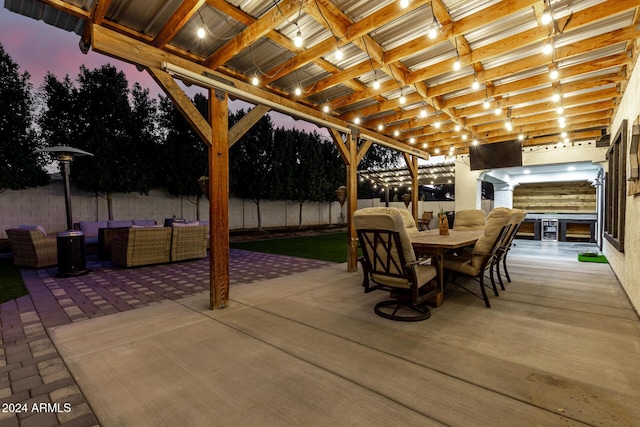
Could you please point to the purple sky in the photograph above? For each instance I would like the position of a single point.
(38, 47)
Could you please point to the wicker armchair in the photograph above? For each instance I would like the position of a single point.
(188, 242)
(141, 246)
(32, 249)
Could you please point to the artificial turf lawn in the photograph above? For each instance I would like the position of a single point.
(327, 247)
(11, 284)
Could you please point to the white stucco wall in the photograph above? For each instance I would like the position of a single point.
(627, 265)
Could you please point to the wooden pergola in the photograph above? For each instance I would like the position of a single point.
(420, 77)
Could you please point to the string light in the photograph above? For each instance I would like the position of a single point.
(356, 120)
(486, 104)
(498, 111)
(396, 133)
(475, 85)
(553, 74)
(437, 150)
(201, 33)
(255, 80)
(546, 18)
(297, 40)
(412, 140)
(508, 125)
(404, 4)
(475, 142)
(339, 54)
(380, 126)
(402, 99)
(432, 33)
(560, 109)
(555, 97)
(298, 91)
(548, 48)
(464, 137)
(376, 84)
(325, 108)
(457, 65)
(437, 124)
(423, 113)
(521, 137)
(457, 128)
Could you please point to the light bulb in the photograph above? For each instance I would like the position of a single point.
(498, 111)
(255, 81)
(475, 85)
(464, 137)
(546, 18)
(457, 128)
(402, 99)
(555, 97)
(437, 124)
(412, 140)
(376, 84)
(298, 91)
(560, 109)
(521, 137)
(548, 48)
(486, 105)
(356, 120)
(425, 145)
(380, 126)
(432, 33)
(563, 134)
(457, 65)
(566, 140)
(339, 54)
(553, 74)
(437, 150)
(508, 126)
(423, 113)
(396, 133)
(201, 32)
(562, 121)
(325, 108)
(297, 40)
(404, 4)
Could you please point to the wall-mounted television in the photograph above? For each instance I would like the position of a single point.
(494, 156)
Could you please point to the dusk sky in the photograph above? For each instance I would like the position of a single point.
(38, 47)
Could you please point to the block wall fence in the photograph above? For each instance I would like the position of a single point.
(45, 206)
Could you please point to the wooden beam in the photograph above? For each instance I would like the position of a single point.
(219, 200)
(267, 22)
(340, 145)
(364, 148)
(96, 18)
(352, 203)
(176, 21)
(246, 123)
(183, 103)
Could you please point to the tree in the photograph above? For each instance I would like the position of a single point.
(311, 170)
(20, 166)
(118, 135)
(251, 163)
(184, 155)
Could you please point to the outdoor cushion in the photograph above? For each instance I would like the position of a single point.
(90, 228)
(119, 224)
(33, 227)
(144, 222)
(469, 219)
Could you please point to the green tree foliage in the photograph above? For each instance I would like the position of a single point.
(254, 173)
(121, 141)
(184, 154)
(312, 170)
(21, 167)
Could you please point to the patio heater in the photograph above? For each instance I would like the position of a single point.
(71, 260)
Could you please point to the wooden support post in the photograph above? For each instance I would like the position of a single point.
(412, 166)
(352, 203)
(219, 200)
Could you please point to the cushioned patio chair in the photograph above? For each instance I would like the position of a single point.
(516, 220)
(470, 219)
(389, 262)
(31, 248)
(481, 259)
(141, 246)
(188, 242)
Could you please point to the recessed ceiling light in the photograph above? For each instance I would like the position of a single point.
(526, 171)
(571, 168)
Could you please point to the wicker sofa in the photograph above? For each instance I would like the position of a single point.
(157, 245)
(31, 248)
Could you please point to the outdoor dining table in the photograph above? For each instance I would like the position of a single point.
(432, 243)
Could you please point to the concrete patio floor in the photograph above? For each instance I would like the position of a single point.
(559, 347)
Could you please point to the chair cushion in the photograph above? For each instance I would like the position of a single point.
(460, 264)
(424, 273)
(90, 228)
(385, 219)
(144, 222)
(119, 224)
(486, 242)
(469, 219)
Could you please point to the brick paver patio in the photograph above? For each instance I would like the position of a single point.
(36, 389)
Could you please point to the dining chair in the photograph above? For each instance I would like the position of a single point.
(389, 264)
(515, 222)
(469, 219)
(425, 221)
(480, 260)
